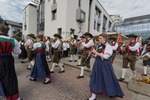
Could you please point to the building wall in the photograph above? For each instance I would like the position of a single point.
(51, 26)
(103, 12)
(30, 20)
(13, 28)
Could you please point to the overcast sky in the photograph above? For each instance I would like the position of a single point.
(12, 9)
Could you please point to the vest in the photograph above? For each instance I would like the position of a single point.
(41, 49)
(88, 49)
(132, 44)
(6, 46)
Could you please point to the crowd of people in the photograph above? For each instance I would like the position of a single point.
(41, 50)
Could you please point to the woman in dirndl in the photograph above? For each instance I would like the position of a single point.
(103, 79)
(8, 78)
(40, 69)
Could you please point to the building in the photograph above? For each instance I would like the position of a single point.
(135, 25)
(30, 19)
(116, 18)
(76, 17)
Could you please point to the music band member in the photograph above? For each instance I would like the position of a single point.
(114, 45)
(146, 62)
(73, 49)
(130, 56)
(57, 46)
(30, 52)
(103, 79)
(8, 78)
(88, 45)
(40, 69)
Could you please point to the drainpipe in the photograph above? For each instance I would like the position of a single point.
(90, 3)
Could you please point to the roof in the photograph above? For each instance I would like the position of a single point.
(13, 23)
(137, 18)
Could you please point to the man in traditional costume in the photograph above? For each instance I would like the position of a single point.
(73, 49)
(130, 56)
(114, 45)
(85, 58)
(29, 46)
(8, 78)
(146, 55)
(57, 46)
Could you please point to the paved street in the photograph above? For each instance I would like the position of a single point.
(66, 86)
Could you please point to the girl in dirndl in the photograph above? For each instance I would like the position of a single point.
(40, 69)
(103, 79)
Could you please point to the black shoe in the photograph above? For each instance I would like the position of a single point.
(121, 79)
(63, 66)
(61, 71)
(32, 79)
(22, 61)
(28, 68)
(75, 60)
(78, 65)
(144, 75)
(56, 65)
(78, 77)
(51, 71)
(70, 60)
(46, 82)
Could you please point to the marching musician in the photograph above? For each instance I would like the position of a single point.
(146, 62)
(88, 45)
(114, 45)
(29, 46)
(73, 49)
(40, 69)
(57, 46)
(130, 55)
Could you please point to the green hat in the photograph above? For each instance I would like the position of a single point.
(88, 34)
(83, 36)
(31, 36)
(57, 35)
(131, 35)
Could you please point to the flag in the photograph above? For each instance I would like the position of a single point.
(119, 38)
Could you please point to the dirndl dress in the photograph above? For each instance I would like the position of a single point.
(103, 79)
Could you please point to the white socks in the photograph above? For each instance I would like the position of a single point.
(134, 74)
(145, 70)
(71, 57)
(60, 65)
(123, 72)
(53, 66)
(79, 61)
(30, 65)
(82, 71)
(92, 97)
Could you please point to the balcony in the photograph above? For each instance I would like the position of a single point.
(80, 15)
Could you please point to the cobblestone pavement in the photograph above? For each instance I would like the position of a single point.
(65, 86)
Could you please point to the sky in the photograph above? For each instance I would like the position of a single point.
(12, 9)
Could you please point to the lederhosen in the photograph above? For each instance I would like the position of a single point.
(8, 76)
(114, 52)
(57, 53)
(31, 53)
(130, 56)
(73, 48)
(85, 54)
(40, 64)
(147, 62)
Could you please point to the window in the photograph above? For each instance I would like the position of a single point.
(25, 27)
(59, 31)
(72, 31)
(54, 1)
(97, 19)
(54, 12)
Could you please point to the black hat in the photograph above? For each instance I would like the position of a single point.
(112, 38)
(131, 35)
(57, 35)
(31, 36)
(88, 34)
